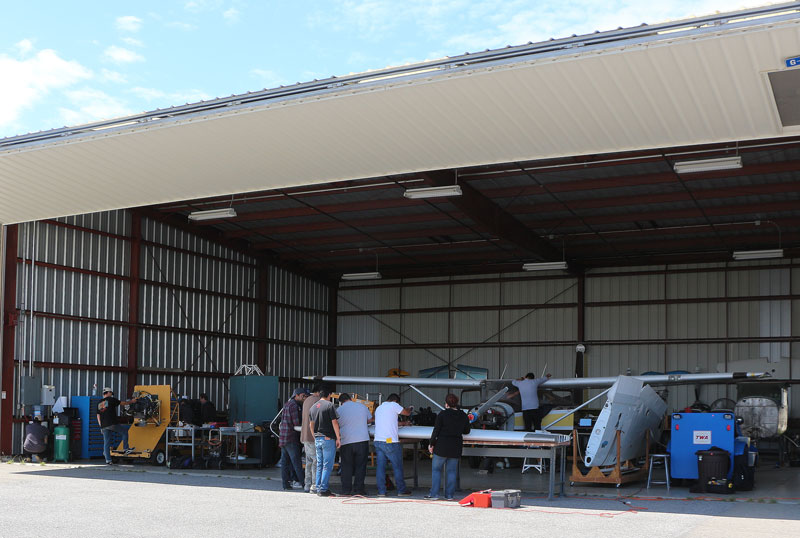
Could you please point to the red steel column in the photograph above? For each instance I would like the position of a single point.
(133, 302)
(9, 320)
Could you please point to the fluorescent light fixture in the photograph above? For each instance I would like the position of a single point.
(757, 254)
(545, 266)
(433, 192)
(211, 214)
(375, 275)
(708, 165)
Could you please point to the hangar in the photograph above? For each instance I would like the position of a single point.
(657, 166)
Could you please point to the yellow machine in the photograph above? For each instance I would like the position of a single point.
(154, 410)
(356, 398)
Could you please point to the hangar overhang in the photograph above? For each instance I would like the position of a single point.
(679, 84)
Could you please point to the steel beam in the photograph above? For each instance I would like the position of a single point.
(133, 301)
(493, 218)
(9, 320)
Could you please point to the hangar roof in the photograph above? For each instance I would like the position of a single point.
(564, 148)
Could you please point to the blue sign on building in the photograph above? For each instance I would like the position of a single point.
(793, 62)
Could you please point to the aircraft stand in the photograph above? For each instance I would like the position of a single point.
(618, 474)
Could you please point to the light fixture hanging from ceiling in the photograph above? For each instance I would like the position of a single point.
(544, 266)
(757, 254)
(372, 275)
(432, 192)
(211, 214)
(708, 165)
(761, 254)
(435, 192)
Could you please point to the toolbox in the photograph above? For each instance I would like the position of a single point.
(506, 498)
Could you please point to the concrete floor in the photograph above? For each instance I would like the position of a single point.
(137, 500)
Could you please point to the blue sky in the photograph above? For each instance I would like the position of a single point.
(72, 62)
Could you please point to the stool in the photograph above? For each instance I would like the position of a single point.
(653, 459)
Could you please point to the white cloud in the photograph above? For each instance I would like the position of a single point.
(113, 76)
(185, 26)
(24, 47)
(169, 98)
(132, 42)
(121, 55)
(268, 79)
(231, 15)
(91, 105)
(27, 82)
(129, 23)
(197, 6)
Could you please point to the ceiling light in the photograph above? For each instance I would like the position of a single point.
(433, 192)
(545, 266)
(757, 254)
(211, 214)
(708, 165)
(375, 275)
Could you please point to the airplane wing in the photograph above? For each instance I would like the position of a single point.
(553, 384)
(482, 436)
(400, 381)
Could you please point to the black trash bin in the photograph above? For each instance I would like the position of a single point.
(712, 468)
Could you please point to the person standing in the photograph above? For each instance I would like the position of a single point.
(307, 438)
(107, 419)
(354, 451)
(35, 440)
(528, 390)
(324, 424)
(387, 446)
(289, 439)
(208, 413)
(446, 444)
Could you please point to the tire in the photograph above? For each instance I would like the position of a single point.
(158, 458)
(221, 465)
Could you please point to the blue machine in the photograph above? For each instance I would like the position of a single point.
(91, 436)
(692, 432)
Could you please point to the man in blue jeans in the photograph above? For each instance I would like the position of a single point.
(387, 446)
(107, 418)
(289, 440)
(324, 425)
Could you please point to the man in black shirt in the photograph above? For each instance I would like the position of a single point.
(208, 413)
(446, 444)
(324, 425)
(107, 418)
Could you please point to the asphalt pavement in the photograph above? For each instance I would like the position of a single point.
(132, 501)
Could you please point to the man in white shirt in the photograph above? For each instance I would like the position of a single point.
(354, 449)
(387, 446)
(528, 390)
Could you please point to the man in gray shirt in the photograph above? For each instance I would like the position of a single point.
(354, 449)
(35, 439)
(528, 390)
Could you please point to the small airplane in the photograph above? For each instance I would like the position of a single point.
(631, 406)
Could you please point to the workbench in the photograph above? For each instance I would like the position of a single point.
(236, 437)
(555, 452)
(180, 436)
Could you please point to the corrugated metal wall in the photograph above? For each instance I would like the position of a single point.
(697, 318)
(199, 308)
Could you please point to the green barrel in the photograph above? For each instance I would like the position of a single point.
(61, 444)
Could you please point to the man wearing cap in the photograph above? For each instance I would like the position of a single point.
(289, 439)
(307, 438)
(107, 418)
